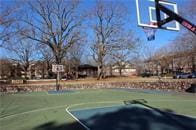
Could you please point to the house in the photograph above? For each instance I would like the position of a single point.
(178, 62)
(124, 69)
(86, 70)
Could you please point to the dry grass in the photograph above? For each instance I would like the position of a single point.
(111, 79)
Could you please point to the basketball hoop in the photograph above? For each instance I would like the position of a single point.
(150, 32)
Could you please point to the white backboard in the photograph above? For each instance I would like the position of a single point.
(57, 68)
(146, 13)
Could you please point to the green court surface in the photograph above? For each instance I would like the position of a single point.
(93, 109)
(131, 117)
(61, 91)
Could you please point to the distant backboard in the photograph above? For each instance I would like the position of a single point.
(57, 68)
(146, 14)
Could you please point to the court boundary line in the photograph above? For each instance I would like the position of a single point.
(32, 111)
(75, 118)
(86, 127)
(117, 101)
(44, 109)
(74, 92)
(95, 108)
(61, 106)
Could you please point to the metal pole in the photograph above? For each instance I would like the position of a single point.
(58, 79)
(56, 82)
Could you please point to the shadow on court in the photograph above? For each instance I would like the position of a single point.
(55, 126)
(129, 119)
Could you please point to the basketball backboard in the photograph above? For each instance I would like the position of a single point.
(57, 68)
(146, 14)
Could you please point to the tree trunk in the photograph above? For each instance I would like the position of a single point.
(76, 74)
(58, 77)
(43, 71)
(193, 63)
(100, 72)
(25, 71)
(173, 66)
(57, 59)
(120, 71)
(111, 74)
(47, 68)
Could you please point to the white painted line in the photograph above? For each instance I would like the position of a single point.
(165, 2)
(44, 109)
(118, 101)
(151, 10)
(74, 92)
(36, 110)
(168, 100)
(96, 108)
(108, 102)
(138, 12)
(61, 106)
(77, 119)
(87, 128)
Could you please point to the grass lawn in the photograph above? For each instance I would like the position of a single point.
(43, 111)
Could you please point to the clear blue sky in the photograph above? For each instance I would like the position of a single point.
(163, 37)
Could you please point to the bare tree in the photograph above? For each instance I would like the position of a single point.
(187, 39)
(23, 52)
(123, 51)
(75, 55)
(186, 47)
(189, 10)
(5, 69)
(55, 23)
(8, 16)
(47, 60)
(107, 22)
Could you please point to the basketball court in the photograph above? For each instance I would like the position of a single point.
(108, 109)
(132, 115)
(100, 109)
(61, 91)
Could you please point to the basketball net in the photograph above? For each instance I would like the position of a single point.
(150, 32)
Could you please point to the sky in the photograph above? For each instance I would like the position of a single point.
(162, 37)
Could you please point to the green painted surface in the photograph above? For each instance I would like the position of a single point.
(134, 116)
(40, 111)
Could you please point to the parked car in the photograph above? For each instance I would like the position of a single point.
(67, 77)
(193, 74)
(146, 74)
(181, 75)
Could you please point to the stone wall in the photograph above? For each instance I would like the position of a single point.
(166, 86)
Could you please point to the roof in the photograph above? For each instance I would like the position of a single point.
(86, 66)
